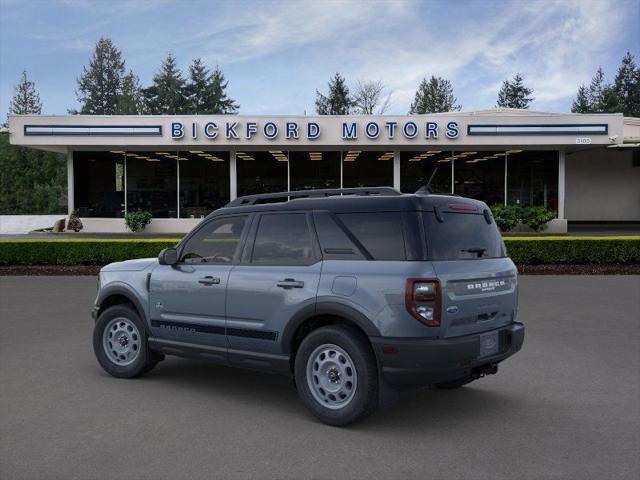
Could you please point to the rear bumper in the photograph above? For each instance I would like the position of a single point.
(411, 363)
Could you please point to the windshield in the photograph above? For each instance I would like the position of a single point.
(462, 236)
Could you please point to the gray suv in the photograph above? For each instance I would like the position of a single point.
(354, 293)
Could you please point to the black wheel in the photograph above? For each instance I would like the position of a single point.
(336, 375)
(454, 384)
(120, 343)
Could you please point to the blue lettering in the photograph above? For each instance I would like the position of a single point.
(432, 130)
(391, 128)
(210, 130)
(270, 130)
(372, 130)
(349, 132)
(313, 130)
(231, 130)
(292, 130)
(410, 130)
(252, 127)
(177, 130)
(194, 130)
(452, 130)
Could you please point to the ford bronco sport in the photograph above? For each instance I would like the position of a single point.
(355, 293)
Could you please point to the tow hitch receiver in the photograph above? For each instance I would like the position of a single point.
(481, 371)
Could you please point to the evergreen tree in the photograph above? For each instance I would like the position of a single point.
(433, 96)
(99, 86)
(627, 86)
(338, 100)
(514, 94)
(167, 95)
(581, 103)
(206, 91)
(130, 100)
(25, 98)
(596, 92)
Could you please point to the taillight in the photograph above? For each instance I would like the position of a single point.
(422, 298)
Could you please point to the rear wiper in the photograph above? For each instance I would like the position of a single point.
(479, 250)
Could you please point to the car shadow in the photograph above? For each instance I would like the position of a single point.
(413, 410)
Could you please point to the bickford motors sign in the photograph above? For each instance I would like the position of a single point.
(309, 130)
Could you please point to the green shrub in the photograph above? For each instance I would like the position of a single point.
(78, 252)
(137, 220)
(537, 217)
(522, 250)
(506, 217)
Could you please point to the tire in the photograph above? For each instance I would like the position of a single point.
(454, 384)
(128, 353)
(348, 359)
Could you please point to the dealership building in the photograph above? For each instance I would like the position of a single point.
(584, 167)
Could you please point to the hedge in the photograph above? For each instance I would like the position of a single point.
(522, 250)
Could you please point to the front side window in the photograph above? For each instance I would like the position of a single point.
(462, 236)
(215, 243)
(283, 239)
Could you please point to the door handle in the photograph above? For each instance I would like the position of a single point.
(290, 283)
(209, 280)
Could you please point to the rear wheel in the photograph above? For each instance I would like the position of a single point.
(120, 343)
(336, 375)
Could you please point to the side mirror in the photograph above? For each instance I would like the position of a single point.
(168, 256)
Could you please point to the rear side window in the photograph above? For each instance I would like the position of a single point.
(462, 236)
(283, 239)
(381, 234)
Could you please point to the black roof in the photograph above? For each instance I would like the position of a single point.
(351, 200)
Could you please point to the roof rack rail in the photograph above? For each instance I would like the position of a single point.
(327, 192)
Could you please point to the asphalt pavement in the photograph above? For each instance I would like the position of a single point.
(566, 407)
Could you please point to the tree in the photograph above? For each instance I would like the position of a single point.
(596, 92)
(370, 98)
(167, 95)
(99, 86)
(338, 100)
(581, 104)
(130, 100)
(31, 181)
(627, 86)
(514, 94)
(205, 91)
(25, 98)
(433, 96)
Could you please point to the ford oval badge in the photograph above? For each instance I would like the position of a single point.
(452, 309)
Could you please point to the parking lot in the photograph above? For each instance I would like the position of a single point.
(567, 406)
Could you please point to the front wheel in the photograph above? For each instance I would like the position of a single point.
(336, 375)
(120, 343)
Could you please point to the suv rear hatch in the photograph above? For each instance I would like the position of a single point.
(478, 281)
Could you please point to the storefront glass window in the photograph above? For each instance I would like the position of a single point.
(152, 183)
(99, 184)
(204, 182)
(367, 169)
(261, 172)
(311, 170)
(416, 168)
(480, 175)
(532, 178)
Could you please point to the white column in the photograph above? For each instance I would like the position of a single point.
(396, 170)
(506, 161)
(125, 185)
(233, 176)
(70, 192)
(453, 173)
(177, 188)
(341, 168)
(561, 176)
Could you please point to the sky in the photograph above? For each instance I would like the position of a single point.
(275, 54)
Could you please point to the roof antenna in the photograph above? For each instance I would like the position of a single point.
(425, 188)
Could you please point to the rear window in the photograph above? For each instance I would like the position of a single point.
(462, 236)
(379, 233)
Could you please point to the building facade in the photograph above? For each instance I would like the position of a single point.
(180, 168)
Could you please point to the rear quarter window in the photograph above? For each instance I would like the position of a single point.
(462, 236)
(381, 233)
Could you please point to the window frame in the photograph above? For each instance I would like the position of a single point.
(207, 222)
(247, 255)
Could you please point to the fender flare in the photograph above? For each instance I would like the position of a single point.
(326, 308)
(126, 291)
